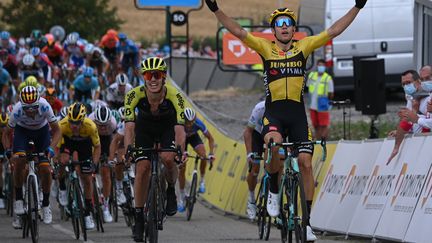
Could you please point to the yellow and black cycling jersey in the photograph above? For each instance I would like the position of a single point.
(284, 71)
(170, 111)
(88, 130)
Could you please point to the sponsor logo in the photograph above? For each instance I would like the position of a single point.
(273, 128)
(129, 97)
(290, 64)
(274, 72)
(180, 100)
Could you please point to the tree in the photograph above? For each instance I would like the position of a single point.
(90, 18)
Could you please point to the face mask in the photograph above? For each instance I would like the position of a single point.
(409, 89)
(427, 86)
(321, 69)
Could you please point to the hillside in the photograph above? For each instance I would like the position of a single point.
(151, 24)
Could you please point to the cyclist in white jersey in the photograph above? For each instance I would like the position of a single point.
(117, 91)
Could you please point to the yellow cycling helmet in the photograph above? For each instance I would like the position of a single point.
(152, 64)
(31, 81)
(282, 12)
(76, 112)
(4, 118)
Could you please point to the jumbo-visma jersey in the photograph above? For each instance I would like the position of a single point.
(284, 72)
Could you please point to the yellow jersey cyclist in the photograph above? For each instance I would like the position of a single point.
(4, 118)
(31, 119)
(106, 125)
(160, 111)
(284, 63)
(80, 135)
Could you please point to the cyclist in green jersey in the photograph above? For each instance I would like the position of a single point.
(284, 62)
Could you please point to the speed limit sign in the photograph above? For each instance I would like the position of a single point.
(178, 18)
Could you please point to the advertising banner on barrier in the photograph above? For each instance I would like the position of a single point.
(341, 169)
(405, 191)
(320, 168)
(363, 157)
(419, 229)
(375, 195)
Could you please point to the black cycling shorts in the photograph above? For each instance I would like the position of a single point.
(83, 147)
(257, 143)
(146, 136)
(194, 140)
(105, 141)
(289, 119)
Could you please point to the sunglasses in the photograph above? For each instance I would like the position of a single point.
(156, 74)
(31, 108)
(287, 21)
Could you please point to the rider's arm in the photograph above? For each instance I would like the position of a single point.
(180, 136)
(247, 136)
(6, 137)
(57, 134)
(211, 141)
(114, 146)
(96, 153)
(129, 134)
(341, 24)
(231, 25)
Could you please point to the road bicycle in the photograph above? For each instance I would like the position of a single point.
(292, 199)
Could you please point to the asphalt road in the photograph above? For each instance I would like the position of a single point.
(206, 225)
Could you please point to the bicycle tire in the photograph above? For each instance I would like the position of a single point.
(152, 219)
(300, 227)
(260, 200)
(97, 212)
(113, 201)
(32, 208)
(266, 216)
(190, 202)
(284, 214)
(74, 212)
(80, 201)
(9, 194)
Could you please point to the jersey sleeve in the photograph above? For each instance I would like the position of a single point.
(258, 44)
(309, 44)
(201, 126)
(177, 100)
(131, 100)
(94, 135)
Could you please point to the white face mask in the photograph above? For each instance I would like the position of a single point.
(427, 85)
(321, 69)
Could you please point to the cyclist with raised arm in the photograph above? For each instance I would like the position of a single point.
(106, 125)
(160, 119)
(284, 63)
(32, 119)
(192, 125)
(80, 134)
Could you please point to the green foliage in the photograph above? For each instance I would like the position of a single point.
(91, 18)
(359, 130)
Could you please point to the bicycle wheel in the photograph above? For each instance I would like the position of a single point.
(190, 201)
(265, 218)
(9, 194)
(152, 219)
(32, 208)
(127, 208)
(81, 209)
(113, 201)
(73, 210)
(260, 212)
(97, 211)
(284, 215)
(299, 222)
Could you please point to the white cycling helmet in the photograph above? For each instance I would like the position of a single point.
(189, 114)
(102, 114)
(28, 59)
(89, 49)
(72, 38)
(122, 79)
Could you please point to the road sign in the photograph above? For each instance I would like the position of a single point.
(178, 18)
(174, 3)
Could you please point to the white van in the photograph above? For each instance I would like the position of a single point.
(383, 28)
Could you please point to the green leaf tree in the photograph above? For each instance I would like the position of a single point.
(90, 18)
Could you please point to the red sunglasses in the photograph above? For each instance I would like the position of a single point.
(156, 74)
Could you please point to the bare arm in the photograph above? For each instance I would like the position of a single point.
(96, 153)
(180, 136)
(57, 135)
(114, 145)
(247, 136)
(231, 25)
(341, 24)
(6, 138)
(129, 133)
(211, 141)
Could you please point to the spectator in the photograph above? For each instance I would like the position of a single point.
(320, 87)
(417, 101)
(426, 73)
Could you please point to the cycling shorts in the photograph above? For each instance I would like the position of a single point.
(40, 137)
(105, 141)
(82, 95)
(84, 148)
(194, 140)
(288, 118)
(146, 136)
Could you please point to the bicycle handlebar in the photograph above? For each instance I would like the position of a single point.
(196, 157)
(131, 150)
(321, 142)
